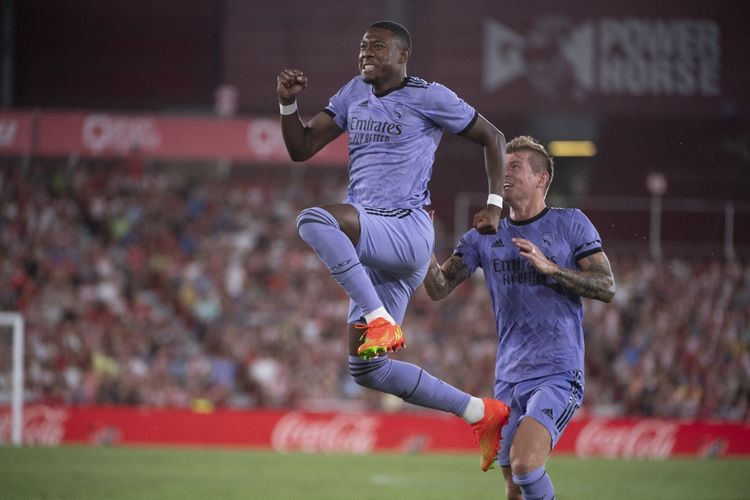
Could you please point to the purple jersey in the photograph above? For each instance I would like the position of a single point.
(393, 138)
(538, 323)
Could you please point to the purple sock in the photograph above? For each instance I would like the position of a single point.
(322, 232)
(409, 382)
(535, 485)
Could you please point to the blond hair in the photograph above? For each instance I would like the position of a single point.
(541, 160)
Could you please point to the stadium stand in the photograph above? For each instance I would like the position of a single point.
(177, 287)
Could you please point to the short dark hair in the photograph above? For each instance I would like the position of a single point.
(397, 29)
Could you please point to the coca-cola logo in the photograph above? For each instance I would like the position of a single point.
(338, 433)
(645, 439)
(120, 134)
(42, 425)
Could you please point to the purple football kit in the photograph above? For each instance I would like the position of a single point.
(539, 362)
(392, 143)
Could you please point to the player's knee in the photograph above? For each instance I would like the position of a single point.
(368, 374)
(523, 464)
(530, 448)
(312, 219)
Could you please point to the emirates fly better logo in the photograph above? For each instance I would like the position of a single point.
(606, 56)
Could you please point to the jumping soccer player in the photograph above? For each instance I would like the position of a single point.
(537, 268)
(378, 243)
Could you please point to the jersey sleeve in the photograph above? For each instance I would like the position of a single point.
(338, 105)
(468, 250)
(449, 111)
(584, 237)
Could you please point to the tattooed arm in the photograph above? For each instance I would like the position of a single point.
(594, 280)
(441, 280)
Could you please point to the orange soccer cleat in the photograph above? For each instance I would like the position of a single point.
(488, 431)
(380, 336)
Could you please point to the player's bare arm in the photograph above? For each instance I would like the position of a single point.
(441, 280)
(487, 220)
(594, 280)
(302, 140)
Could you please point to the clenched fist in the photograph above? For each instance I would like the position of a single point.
(289, 84)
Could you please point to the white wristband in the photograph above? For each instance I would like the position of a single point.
(288, 109)
(495, 199)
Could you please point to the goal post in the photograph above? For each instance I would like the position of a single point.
(15, 321)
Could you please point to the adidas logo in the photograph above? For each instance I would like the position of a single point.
(363, 104)
(548, 412)
(498, 243)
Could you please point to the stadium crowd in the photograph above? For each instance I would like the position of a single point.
(188, 287)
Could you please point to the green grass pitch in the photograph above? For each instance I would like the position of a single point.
(83, 473)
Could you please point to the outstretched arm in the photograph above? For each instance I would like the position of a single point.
(594, 280)
(441, 280)
(302, 140)
(486, 221)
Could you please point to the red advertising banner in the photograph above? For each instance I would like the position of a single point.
(15, 133)
(104, 135)
(360, 432)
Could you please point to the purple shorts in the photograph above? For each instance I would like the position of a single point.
(551, 400)
(395, 247)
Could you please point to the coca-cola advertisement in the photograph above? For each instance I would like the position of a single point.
(340, 433)
(637, 438)
(644, 439)
(42, 425)
(359, 432)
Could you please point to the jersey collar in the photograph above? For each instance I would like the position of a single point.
(528, 221)
(399, 87)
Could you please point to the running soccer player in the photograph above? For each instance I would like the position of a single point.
(378, 243)
(537, 268)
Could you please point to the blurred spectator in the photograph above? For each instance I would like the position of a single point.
(188, 287)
